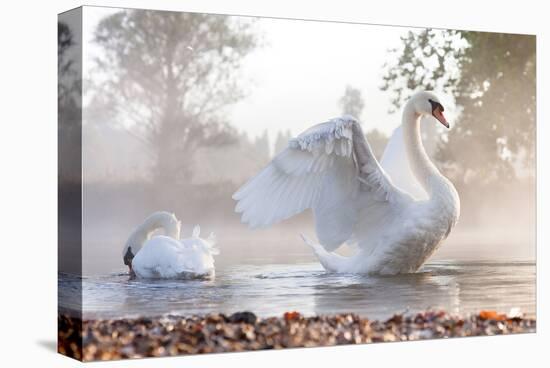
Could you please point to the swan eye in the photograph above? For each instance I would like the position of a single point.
(436, 105)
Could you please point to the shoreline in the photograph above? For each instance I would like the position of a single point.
(171, 335)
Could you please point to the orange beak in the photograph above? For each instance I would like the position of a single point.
(438, 114)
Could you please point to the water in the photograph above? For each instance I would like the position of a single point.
(272, 289)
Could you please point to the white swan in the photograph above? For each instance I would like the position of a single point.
(167, 256)
(331, 169)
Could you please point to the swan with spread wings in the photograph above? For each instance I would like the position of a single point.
(396, 212)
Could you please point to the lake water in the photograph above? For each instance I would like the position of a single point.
(272, 289)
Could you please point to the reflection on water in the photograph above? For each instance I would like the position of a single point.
(270, 290)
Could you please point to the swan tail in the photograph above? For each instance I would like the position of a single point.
(211, 243)
(196, 231)
(212, 239)
(330, 261)
(316, 247)
(207, 245)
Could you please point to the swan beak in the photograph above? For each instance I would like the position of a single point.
(438, 114)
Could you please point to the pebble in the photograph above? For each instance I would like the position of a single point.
(91, 340)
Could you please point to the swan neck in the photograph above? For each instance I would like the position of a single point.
(159, 220)
(164, 221)
(421, 166)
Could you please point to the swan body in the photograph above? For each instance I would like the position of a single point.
(167, 256)
(331, 169)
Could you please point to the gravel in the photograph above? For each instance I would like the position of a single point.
(170, 335)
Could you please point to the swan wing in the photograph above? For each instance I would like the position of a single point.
(318, 170)
(159, 258)
(165, 257)
(293, 180)
(395, 162)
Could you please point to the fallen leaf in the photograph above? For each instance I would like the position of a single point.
(291, 316)
(486, 314)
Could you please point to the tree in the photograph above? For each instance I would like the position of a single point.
(64, 63)
(497, 94)
(492, 79)
(69, 78)
(377, 141)
(68, 106)
(281, 142)
(352, 102)
(168, 77)
(430, 60)
(261, 147)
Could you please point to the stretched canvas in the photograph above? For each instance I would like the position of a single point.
(232, 183)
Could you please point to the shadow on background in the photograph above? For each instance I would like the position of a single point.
(50, 345)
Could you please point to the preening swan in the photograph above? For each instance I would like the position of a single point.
(167, 256)
(331, 169)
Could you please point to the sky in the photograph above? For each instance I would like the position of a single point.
(303, 71)
(297, 77)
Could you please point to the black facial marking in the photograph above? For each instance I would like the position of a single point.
(128, 257)
(436, 105)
